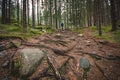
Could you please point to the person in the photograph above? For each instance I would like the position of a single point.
(62, 25)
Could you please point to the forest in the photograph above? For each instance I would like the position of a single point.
(59, 39)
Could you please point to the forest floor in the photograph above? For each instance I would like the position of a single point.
(104, 56)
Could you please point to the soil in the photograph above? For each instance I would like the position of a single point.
(106, 67)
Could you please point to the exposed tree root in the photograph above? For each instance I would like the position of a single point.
(53, 65)
(7, 46)
(100, 57)
(102, 71)
(56, 51)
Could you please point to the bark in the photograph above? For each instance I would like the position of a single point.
(56, 20)
(113, 15)
(24, 17)
(9, 12)
(18, 17)
(38, 16)
(3, 11)
(28, 14)
(33, 14)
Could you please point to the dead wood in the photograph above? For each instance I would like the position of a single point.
(53, 65)
(102, 71)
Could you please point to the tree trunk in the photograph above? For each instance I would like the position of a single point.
(3, 11)
(56, 15)
(9, 12)
(113, 15)
(38, 3)
(28, 14)
(24, 16)
(33, 14)
(18, 17)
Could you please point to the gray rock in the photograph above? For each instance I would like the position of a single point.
(84, 63)
(103, 41)
(29, 60)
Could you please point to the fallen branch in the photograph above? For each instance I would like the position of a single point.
(102, 71)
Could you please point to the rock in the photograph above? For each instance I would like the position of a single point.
(80, 35)
(103, 41)
(94, 52)
(84, 63)
(87, 41)
(29, 60)
(58, 35)
(72, 38)
(44, 31)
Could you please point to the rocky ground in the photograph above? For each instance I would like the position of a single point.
(69, 56)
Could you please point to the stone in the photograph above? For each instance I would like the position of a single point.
(94, 52)
(44, 31)
(84, 63)
(81, 35)
(103, 41)
(72, 38)
(58, 35)
(87, 41)
(30, 59)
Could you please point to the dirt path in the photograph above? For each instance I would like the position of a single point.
(104, 59)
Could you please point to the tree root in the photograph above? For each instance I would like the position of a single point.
(100, 57)
(102, 71)
(51, 61)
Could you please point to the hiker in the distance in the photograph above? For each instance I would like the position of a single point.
(62, 25)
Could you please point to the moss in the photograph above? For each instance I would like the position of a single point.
(12, 30)
(106, 34)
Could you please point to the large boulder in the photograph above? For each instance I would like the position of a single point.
(30, 59)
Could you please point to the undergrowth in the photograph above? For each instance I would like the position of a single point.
(107, 34)
(7, 30)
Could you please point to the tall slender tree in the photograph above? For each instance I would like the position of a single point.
(33, 14)
(24, 17)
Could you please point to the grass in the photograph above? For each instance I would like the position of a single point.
(16, 30)
(107, 34)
